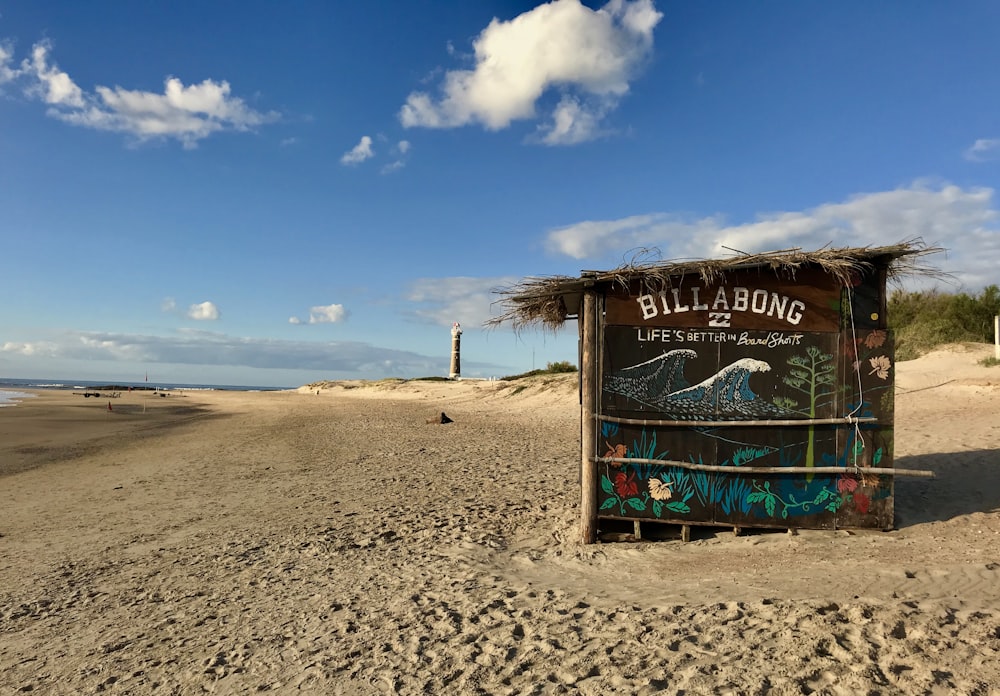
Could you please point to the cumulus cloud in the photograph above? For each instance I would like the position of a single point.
(466, 300)
(963, 220)
(187, 113)
(51, 84)
(193, 347)
(7, 73)
(984, 149)
(328, 314)
(204, 311)
(359, 153)
(588, 56)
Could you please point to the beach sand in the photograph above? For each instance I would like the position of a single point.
(337, 543)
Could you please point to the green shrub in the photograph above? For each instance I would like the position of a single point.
(924, 320)
(552, 368)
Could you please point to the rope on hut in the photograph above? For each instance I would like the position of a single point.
(920, 473)
(845, 420)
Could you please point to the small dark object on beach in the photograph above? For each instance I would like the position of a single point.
(443, 418)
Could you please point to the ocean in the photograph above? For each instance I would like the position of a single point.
(10, 388)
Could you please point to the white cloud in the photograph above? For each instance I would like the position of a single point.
(572, 123)
(589, 56)
(401, 149)
(185, 113)
(963, 220)
(447, 300)
(330, 314)
(323, 314)
(359, 153)
(52, 84)
(205, 311)
(34, 349)
(7, 73)
(983, 150)
(168, 304)
(194, 347)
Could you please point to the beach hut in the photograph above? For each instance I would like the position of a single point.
(751, 391)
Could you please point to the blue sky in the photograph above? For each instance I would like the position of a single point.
(275, 193)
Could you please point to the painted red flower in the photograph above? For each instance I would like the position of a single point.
(847, 484)
(626, 486)
(861, 503)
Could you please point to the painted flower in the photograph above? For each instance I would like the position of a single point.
(847, 484)
(880, 366)
(875, 339)
(626, 486)
(618, 451)
(861, 503)
(660, 489)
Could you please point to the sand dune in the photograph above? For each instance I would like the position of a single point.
(297, 542)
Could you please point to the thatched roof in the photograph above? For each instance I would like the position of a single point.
(550, 300)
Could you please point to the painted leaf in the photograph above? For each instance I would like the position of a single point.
(657, 508)
(636, 504)
(608, 504)
(769, 505)
(677, 506)
(607, 486)
(877, 457)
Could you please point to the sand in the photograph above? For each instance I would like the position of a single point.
(336, 543)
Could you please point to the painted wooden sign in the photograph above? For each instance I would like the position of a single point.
(701, 385)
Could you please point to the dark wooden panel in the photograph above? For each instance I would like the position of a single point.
(731, 498)
(654, 491)
(744, 300)
(689, 372)
(869, 366)
(709, 375)
(868, 300)
(780, 500)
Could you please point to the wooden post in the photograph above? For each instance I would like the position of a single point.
(588, 423)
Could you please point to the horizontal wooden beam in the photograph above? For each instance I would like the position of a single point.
(845, 420)
(770, 469)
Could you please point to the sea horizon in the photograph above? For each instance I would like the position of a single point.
(13, 384)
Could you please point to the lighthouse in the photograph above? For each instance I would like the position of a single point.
(456, 349)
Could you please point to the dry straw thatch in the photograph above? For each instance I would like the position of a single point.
(548, 300)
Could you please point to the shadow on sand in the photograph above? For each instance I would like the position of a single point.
(967, 482)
